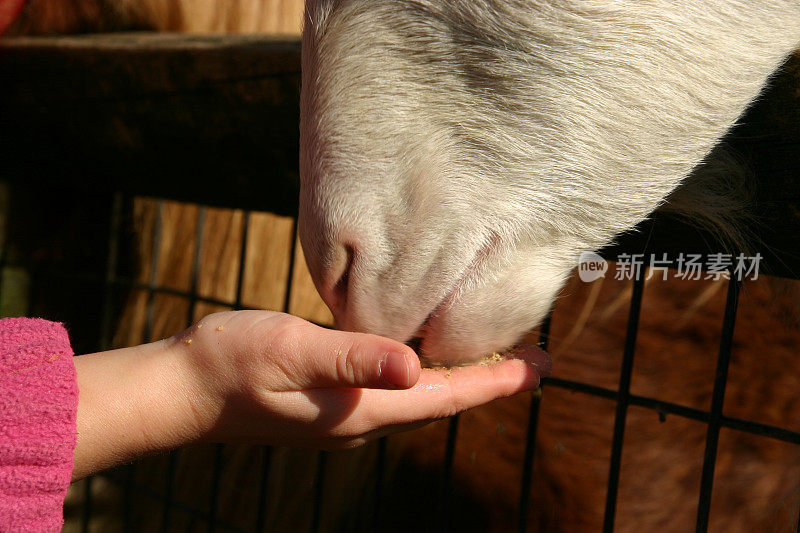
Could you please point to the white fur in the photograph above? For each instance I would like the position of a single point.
(467, 151)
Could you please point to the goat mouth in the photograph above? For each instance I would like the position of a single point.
(472, 272)
(533, 355)
(414, 343)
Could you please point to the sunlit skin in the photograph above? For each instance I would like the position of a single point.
(271, 378)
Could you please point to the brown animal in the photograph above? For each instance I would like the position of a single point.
(756, 488)
(756, 485)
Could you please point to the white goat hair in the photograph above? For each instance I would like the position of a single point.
(458, 155)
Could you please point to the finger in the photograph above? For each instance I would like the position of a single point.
(330, 358)
(443, 393)
(438, 394)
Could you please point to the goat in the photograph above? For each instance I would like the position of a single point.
(458, 156)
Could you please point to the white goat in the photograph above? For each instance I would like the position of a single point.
(458, 155)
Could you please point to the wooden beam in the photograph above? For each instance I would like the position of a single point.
(206, 119)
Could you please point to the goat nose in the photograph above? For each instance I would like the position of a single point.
(335, 288)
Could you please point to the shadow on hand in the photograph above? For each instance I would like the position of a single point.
(335, 404)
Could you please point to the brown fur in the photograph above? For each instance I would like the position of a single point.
(755, 489)
(756, 485)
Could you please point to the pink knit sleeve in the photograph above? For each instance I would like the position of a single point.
(38, 407)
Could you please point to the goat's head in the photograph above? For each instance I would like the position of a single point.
(457, 157)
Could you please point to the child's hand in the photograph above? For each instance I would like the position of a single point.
(270, 378)
(273, 378)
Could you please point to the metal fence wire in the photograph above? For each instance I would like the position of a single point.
(96, 117)
(113, 284)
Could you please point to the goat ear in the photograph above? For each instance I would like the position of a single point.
(717, 198)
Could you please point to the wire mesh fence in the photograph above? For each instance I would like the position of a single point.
(66, 241)
(113, 285)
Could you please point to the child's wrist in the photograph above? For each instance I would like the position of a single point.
(133, 402)
(201, 383)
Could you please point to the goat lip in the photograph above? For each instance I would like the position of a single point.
(424, 327)
(415, 341)
(536, 358)
(418, 338)
(425, 324)
(472, 272)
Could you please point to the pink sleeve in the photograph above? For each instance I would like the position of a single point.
(38, 407)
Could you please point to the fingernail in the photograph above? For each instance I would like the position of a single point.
(394, 370)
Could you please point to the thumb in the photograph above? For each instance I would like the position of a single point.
(330, 358)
